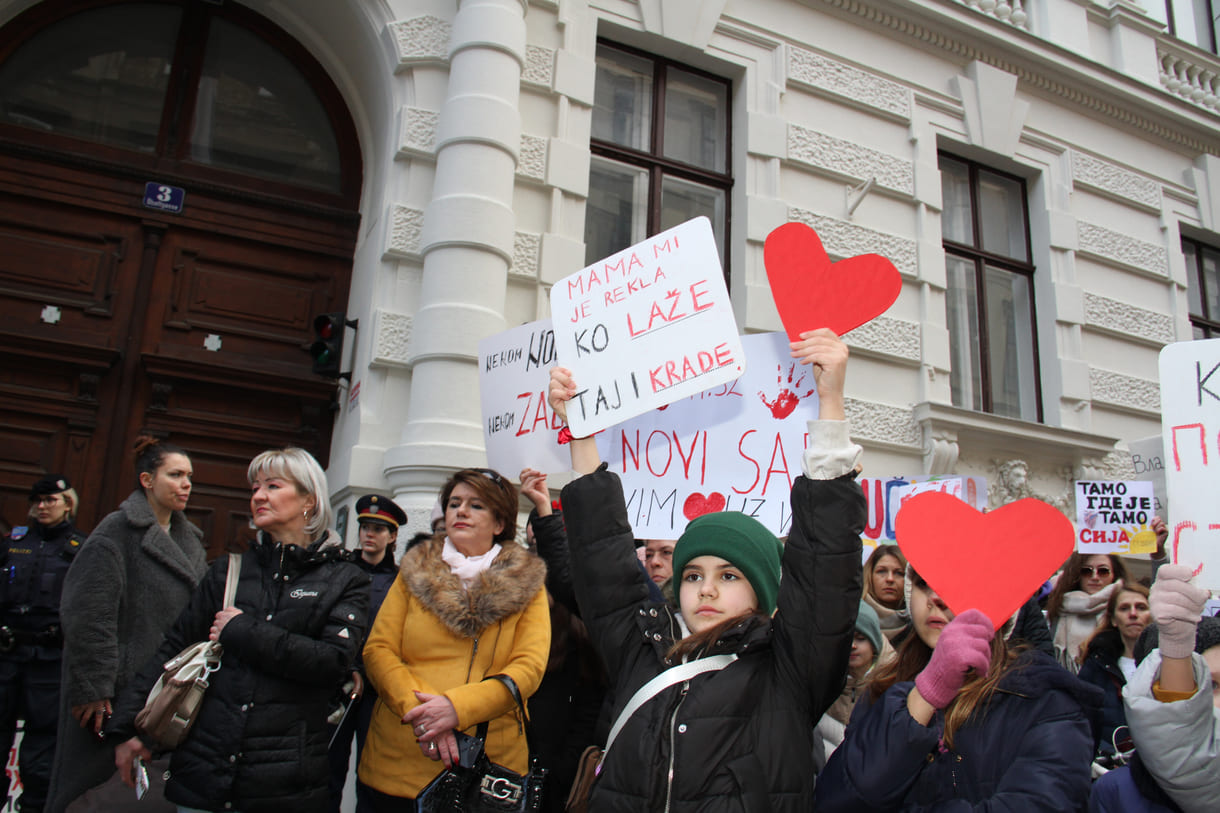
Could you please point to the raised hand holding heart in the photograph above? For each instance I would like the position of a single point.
(812, 292)
(990, 562)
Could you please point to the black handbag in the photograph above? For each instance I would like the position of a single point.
(478, 785)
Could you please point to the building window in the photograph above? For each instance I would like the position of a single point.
(661, 151)
(1203, 288)
(1192, 21)
(989, 302)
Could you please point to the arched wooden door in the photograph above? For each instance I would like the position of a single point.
(123, 313)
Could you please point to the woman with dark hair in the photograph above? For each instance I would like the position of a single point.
(958, 720)
(467, 604)
(736, 736)
(1109, 659)
(884, 574)
(35, 558)
(1078, 601)
(130, 580)
(258, 744)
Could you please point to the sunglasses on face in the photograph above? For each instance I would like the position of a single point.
(1087, 570)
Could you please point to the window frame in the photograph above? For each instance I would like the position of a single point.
(981, 259)
(1207, 322)
(654, 161)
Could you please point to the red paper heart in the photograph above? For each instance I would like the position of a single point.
(697, 505)
(991, 562)
(812, 292)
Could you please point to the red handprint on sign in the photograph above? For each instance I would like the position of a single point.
(787, 398)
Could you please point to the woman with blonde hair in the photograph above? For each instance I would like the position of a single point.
(468, 604)
(259, 741)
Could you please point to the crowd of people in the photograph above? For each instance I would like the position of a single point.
(725, 670)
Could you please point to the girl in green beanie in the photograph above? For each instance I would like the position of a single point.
(739, 736)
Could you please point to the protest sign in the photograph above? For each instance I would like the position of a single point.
(885, 495)
(1148, 460)
(1114, 517)
(1190, 426)
(811, 292)
(735, 447)
(955, 549)
(519, 428)
(646, 327)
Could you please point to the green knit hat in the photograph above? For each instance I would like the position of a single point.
(738, 539)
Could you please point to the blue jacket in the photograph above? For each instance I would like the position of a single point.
(1129, 789)
(1030, 749)
(1100, 668)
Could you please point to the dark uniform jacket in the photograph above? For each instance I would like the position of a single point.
(259, 742)
(1030, 749)
(34, 562)
(740, 738)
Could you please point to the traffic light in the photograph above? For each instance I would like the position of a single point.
(327, 348)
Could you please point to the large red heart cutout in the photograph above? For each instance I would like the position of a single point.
(697, 505)
(812, 292)
(991, 562)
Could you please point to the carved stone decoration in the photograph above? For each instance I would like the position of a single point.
(526, 251)
(1115, 181)
(1011, 483)
(882, 422)
(854, 85)
(690, 22)
(940, 450)
(843, 239)
(849, 158)
(893, 337)
(420, 40)
(531, 162)
(1129, 320)
(539, 66)
(1117, 247)
(418, 133)
(392, 342)
(1115, 466)
(994, 115)
(406, 228)
(1125, 390)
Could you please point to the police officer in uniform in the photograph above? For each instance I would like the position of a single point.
(35, 560)
(379, 518)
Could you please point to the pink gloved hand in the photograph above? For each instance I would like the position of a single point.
(964, 643)
(1176, 606)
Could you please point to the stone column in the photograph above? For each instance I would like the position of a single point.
(467, 244)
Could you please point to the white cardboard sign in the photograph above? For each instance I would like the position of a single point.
(1114, 516)
(519, 428)
(1190, 427)
(646, 327)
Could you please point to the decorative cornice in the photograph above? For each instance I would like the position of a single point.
(854, 85)
(838, 156)
(1122, 249)
(1125, 391)
(843, 239)
(1115, 181)
(1128, 320)
(976, 48)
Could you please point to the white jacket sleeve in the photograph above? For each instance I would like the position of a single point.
(1178, 742)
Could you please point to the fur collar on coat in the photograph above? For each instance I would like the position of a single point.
(505, 588)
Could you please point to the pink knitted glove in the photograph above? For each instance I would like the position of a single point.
(964, 643)
(1176, 606)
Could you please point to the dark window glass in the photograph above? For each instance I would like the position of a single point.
(1202, 288)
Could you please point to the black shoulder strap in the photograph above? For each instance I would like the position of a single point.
(511, 685)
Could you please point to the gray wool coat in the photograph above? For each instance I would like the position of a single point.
(125, 588)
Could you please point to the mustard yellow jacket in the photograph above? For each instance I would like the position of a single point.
(433, 636)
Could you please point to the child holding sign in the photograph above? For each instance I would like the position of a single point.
(959, 717)
(736, 735)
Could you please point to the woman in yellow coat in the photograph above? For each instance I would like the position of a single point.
(466, 604)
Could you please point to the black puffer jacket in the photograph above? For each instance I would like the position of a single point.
(740, 738)
(259, 743)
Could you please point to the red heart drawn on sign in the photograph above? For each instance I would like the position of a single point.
(812, 292)
(697, 505)
(955, 549)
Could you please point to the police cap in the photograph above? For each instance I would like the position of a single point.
(51, 484)
(383, 510)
